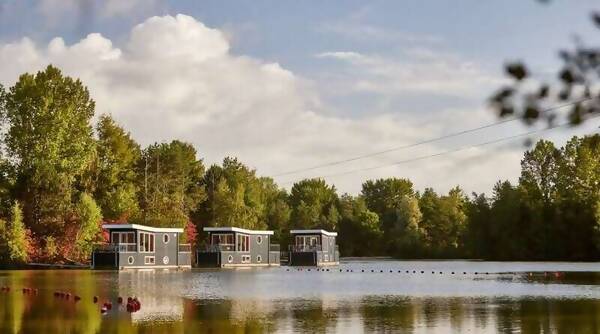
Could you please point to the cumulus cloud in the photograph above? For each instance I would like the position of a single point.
(174, 77)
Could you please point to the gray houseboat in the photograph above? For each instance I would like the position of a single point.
(237, 247)
(133, 246)
(313, 248)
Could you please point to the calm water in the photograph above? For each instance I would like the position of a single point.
(501, 297)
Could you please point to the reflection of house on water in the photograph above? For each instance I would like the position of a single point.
(158, 291)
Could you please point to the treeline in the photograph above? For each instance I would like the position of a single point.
(61, 176)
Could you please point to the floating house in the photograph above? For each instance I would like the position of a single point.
(133, 246)
(237, 247)
(313, 248)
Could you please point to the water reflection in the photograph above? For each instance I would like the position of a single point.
(256, 301)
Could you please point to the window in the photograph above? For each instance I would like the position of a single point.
(258, 258)
(230, 258)
(146, 242)
(165, 238)
(246, 259)
(307, 242)
(148, 259)
(130, 260)
(166, 260)
(125, 240)
(221, 239)
(243, 243)
(259, 239)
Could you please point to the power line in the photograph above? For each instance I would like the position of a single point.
(449, 151)
(427, 141)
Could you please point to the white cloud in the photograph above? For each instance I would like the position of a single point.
(176, 78)
(414, 71)
(356, 30)
(56, 11)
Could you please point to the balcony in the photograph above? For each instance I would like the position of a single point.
(115, 248)
(305, 248)
(185, 248)
(218, 248)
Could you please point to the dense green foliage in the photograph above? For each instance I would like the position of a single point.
(60, 179)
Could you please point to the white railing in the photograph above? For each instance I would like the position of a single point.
(185, 248)
(112, 248)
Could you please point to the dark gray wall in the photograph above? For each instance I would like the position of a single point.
(162, 251)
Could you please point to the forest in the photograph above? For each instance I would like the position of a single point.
(64, 172)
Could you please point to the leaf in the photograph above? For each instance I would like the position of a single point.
(596, 19)
(503, 94)
(531, 113)
(567, 76)
(576, 115)
(517, 71)
(544, 90)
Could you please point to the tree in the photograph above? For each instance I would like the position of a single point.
(276, 209)
(539, 170)
(444, 220)
(90, 217)
(170, 175)
(406, 237)
(576, 85)
(49, 141)
(235, 197)
(314, 204)
(360, 229)
(118, 155)
(17, 239)
(383, 196)
(477, 234)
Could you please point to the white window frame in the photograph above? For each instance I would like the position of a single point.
(246, 258)
(147, 258)
(237, 243)
(259, 239)
(166, 237)
(151, 242)
(117, 237)
(258, 259)
(220, 234)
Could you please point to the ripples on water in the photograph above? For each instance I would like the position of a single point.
(490, 297)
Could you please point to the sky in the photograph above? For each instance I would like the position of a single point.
(289, 85)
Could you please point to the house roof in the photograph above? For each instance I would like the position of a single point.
(235, 229)
(141, 227)
(331, 234)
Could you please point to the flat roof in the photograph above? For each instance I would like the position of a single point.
(141, 227)
(331, 234)
(235, 229)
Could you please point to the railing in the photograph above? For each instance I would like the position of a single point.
(112, 248)
(274, 248)
(185, 248)
(219, 248)
(305, 248)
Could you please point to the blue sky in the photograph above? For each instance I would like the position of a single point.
(366, 73)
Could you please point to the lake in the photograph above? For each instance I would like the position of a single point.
(355, 297)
